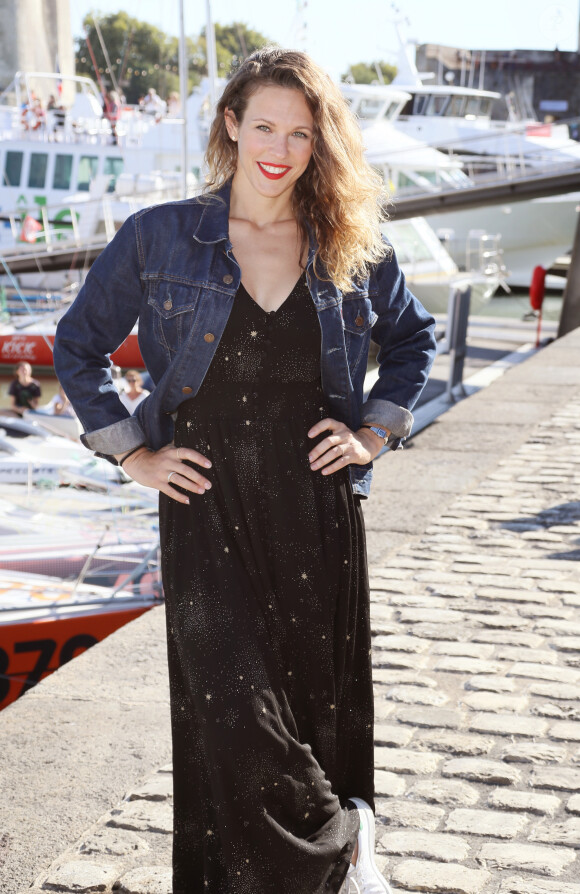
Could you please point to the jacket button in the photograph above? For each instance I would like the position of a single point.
(168, 304)
(228, 279)
(186, 390)
(209, 337)
(359, 321)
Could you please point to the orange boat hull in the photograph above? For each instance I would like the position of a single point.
(30, 652)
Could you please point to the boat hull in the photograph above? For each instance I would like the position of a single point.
(36, 349)
(32, 650)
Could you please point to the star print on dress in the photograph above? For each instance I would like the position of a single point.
(257, 636)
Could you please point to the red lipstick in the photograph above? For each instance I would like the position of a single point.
(282, 170)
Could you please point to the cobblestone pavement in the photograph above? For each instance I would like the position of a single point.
(477, 678)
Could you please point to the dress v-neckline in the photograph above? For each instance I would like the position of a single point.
(280, 306)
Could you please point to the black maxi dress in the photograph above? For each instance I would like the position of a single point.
(268, 624)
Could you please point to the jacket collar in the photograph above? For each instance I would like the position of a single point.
(213, 225)
(214, 220)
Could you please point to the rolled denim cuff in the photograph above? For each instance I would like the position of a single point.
(120, 437)
(385, 413)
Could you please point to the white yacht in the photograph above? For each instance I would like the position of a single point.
(532, 232)
(458, 119)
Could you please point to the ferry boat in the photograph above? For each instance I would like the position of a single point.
(72, 154)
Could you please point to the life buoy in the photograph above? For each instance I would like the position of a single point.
(538, 287)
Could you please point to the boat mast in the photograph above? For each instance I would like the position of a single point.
(183, 89)
(211, 55)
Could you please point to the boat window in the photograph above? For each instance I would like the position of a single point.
(12, 169)
(62, 172)
(431, 176)
(421, 102)
(405, 180)
(88, 167)
(391, 110)
(413, 182)
(37, 173)
(113, 167)
(456, 109)
(457, 177)
(408, 244)
(473, 106)
(369, 108)
(437, 105)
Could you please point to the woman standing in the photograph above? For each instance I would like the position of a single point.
(256, 303)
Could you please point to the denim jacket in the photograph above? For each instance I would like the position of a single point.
(172, 268)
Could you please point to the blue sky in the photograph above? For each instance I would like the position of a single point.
(341, 32)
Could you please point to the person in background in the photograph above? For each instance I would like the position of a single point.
(173, 105)
(112, 112)
(24, 391)
(133, 394)
(59, 405)
(153, 104)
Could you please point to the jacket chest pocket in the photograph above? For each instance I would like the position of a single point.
(174, 307)
(358, 318)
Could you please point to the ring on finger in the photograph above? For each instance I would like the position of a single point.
(169, 477)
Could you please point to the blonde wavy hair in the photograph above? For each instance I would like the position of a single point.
(339, 197)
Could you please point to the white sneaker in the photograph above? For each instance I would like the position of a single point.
(365, 878)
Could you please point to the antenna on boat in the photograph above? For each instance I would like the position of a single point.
(407, 72)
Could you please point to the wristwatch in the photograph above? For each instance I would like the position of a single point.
(378, 431)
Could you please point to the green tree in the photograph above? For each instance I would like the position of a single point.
(140, 54)
(233, 43)
(143, 56)
(368, 73)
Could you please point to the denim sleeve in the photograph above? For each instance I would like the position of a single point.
(96, 324)
(404, 332)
